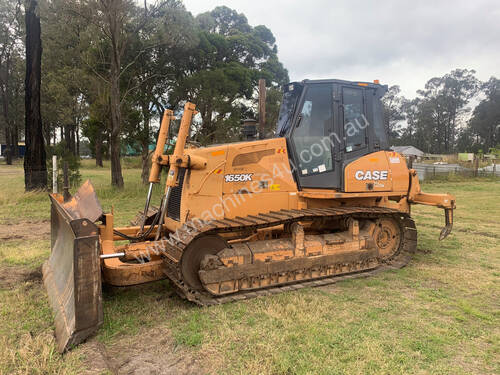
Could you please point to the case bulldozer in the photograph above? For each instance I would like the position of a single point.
(324, 200)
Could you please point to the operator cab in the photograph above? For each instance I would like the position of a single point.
(327, 125)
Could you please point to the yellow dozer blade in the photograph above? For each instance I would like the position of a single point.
(72, 274)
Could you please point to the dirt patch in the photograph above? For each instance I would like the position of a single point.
(29, 230)
(150, 352)
(11, 276)
(424, 251)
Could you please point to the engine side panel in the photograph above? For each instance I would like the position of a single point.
(379, 171)
(240, 179)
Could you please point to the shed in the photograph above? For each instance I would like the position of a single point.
(408, 151)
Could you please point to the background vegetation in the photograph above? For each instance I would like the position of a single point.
(110, 68)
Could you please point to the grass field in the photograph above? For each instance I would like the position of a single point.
(438, 315)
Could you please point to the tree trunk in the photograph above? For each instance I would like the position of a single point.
(116, 168)
(98, 150)
(7, 120)
(67, 138)
(206, 119)
(14, 142)
(145, 164)
(47, 134)
(115, 20)
(35, 168)
(8, 149)
(7, 130)
(145, 144)
(72, 139)
(78, 140)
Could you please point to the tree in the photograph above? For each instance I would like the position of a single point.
(96, 126)
(435, 116)
(116, 15)
(127, 41)
(111, 67)
(274, 98)
(393, 103)
(65, 80)
(484, 126)
(10, 74)
(221, 73)
(445, 99)
(169, 31)
(111, 23)
(35, 169)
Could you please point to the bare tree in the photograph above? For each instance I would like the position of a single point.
(35, 169)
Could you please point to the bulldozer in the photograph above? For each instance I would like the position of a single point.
(323, 200)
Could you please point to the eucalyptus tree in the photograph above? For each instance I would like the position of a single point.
(221, 72)
(484, 125)
(170, 30)
(443, 106)
(66, 81)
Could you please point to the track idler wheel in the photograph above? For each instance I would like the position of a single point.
(192, 257)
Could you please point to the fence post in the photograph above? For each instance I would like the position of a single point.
(411, 158)
(54, 174)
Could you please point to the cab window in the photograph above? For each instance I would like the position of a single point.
(311, 134)
(355, 122)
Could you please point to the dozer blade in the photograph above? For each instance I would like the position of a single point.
(72, 274)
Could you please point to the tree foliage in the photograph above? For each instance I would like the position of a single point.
(113, 66)
(393, 103)
(223, 69)
(436, 120)
(483, 131)
(11, 76)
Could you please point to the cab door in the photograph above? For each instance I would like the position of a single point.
(314, 139)
(355, 118)
(354, 122)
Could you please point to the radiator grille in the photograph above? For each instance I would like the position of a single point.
(174, 202)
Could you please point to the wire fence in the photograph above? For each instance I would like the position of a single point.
(430, 171)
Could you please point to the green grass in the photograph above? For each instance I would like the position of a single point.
(16, 205)
(439, 315)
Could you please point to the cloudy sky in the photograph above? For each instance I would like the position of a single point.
(398, 42)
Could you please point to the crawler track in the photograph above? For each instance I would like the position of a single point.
(189, 231)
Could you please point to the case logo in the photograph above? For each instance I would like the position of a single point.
(243, 177)
(370, 175)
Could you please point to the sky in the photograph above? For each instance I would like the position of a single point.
(401, 42)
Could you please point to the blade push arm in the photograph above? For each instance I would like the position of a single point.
(154, 174)
(176, 160)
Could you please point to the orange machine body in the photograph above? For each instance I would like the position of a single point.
(249, 178)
